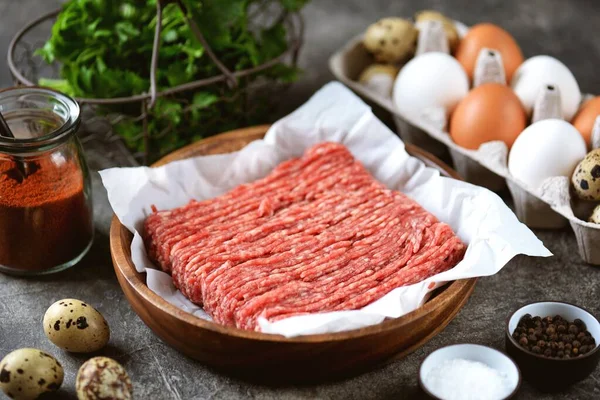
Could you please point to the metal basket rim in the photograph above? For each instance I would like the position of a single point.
(295, 44)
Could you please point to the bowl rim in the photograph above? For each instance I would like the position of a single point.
(487, 348)
(541, 357)
(138, 282)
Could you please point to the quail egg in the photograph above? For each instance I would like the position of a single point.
(103, 378)
(391, 40)
(27, 373)
(586, 178)
(379, 78)
(595, 217)
(76, 326)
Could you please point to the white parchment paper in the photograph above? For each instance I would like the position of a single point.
(334, 113)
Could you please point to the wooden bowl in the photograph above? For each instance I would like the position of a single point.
(274, 358)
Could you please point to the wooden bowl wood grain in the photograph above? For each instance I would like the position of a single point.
(275, 359)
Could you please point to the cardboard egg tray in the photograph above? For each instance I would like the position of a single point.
(552, 207)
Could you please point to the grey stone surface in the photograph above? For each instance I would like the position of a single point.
(563, 29)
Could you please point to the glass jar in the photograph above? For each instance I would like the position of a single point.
(45, 190)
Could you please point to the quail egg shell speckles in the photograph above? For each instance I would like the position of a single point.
(391, 40)
(27, 373)
(103, 378)
(586, 179)
(76, 326)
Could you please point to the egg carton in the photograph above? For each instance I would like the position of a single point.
(550, 207)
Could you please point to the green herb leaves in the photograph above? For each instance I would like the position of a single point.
(105, 46)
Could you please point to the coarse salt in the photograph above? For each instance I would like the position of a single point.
(459, 379)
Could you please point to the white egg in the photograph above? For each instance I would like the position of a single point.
(539, 71)
(551, 147)
(429, 81)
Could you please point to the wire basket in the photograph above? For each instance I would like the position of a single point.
(98, 125)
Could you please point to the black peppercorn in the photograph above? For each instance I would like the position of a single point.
(579, 323)
(532, 338)
(575, 351)
(539, 332)
(586, 340)
(553, 337)
(573, 329)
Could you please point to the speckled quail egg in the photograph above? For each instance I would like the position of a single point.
(586, 178)
(379, 78)
(449, 28)
(76, 326)
(391, 40)
(595, 217)
(27, 373)
(103, 378)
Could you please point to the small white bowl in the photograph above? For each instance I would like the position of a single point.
(471, 352)
(568, 311)
(553, 374)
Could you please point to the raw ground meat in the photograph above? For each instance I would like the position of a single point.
(318, 234)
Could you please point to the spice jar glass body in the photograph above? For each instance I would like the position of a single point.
(45, 191)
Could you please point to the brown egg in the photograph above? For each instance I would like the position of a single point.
(585, 118)
(489, 112)
(491, 37)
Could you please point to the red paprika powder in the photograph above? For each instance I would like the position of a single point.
(44, 218)
(45, 189)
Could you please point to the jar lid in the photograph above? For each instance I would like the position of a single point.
(39, 118)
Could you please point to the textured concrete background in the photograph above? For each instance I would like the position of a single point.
(555, 27)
